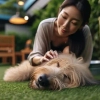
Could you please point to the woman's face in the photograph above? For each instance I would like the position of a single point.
(69, 21)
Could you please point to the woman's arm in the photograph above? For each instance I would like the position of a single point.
(87, 53)
(40, 46)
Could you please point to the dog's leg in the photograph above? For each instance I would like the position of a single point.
(18, 73)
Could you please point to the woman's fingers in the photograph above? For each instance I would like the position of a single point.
(45, 59)
(54, 53)
(50, 55)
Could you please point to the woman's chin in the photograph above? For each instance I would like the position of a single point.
(62, 34)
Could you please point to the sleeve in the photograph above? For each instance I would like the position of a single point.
(40, 45)
(87, 53)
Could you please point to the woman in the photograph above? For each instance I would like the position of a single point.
(66, 33)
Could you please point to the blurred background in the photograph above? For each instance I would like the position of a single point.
(21, 18)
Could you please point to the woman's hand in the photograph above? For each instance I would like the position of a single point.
(49, 55)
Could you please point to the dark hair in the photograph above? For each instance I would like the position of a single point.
(77, 40)
(77, 43)
(82, 5)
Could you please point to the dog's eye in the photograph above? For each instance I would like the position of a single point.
(58, 64)
(66, 76)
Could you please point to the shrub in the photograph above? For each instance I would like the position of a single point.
(94, 26)
(51, 10)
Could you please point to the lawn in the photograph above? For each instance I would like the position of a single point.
(21, 91)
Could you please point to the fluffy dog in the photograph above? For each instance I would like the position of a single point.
(65, 71)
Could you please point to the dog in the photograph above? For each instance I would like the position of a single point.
(64, 71)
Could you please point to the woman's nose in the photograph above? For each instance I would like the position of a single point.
(66, 24)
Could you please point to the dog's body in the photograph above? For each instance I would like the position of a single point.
(65, 71)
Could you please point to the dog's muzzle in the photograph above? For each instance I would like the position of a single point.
(43, 80)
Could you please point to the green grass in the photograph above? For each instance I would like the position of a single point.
(21, 91)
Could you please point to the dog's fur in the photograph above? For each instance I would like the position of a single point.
(65, 71)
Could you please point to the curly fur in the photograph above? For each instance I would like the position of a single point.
(65, 71)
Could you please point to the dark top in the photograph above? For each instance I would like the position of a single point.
(58, 48)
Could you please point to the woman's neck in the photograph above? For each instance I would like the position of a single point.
(56, 39)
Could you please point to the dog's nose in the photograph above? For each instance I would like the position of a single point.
(43, 80)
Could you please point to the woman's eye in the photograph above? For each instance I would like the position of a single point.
(64, 17)
(75, 23)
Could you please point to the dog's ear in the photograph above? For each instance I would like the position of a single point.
(55, 64)
(31, 81)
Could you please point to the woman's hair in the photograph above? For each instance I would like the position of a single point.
(77, 40)
(76, 43)
(82, 5)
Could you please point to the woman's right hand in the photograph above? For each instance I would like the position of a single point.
(49, 55)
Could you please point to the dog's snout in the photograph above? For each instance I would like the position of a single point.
(43, 80)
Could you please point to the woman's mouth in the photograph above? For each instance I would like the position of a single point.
(63, 31)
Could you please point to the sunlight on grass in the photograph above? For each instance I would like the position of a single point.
(21, 91)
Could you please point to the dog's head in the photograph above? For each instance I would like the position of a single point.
(60, 73)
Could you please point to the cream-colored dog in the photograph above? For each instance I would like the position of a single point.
(65, 71)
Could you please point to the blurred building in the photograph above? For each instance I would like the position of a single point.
(28, 6)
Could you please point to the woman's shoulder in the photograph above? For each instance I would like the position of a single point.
(86, 30)
(46, 26)
(86, 27)
(47, 21)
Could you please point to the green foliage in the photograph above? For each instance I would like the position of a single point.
(51, 10)
(94, 26)
(2, 32)
(10, 7)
